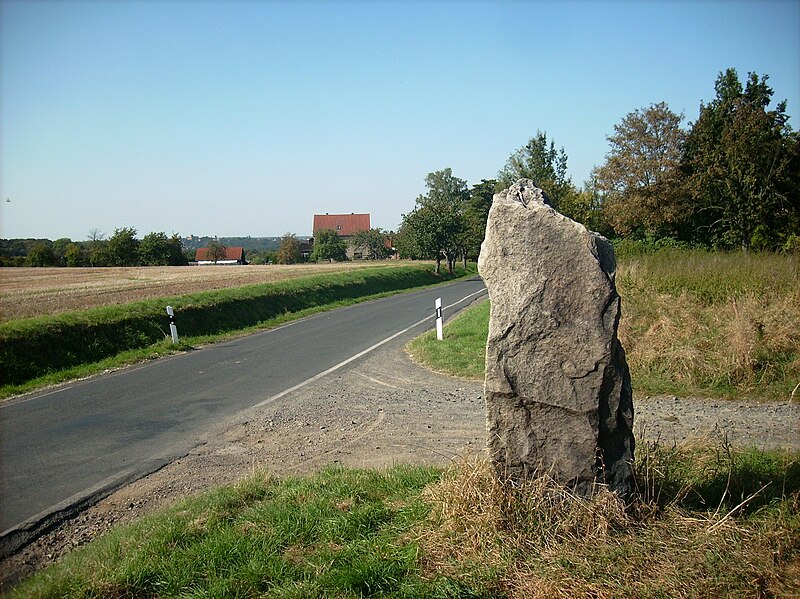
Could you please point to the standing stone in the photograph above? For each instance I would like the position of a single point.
(558, 390)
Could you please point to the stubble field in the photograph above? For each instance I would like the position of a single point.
(26, 292)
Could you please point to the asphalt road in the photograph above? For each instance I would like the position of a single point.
(61, 447)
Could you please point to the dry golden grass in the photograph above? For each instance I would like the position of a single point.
(26, 292)
(729, 322)
(538, 540)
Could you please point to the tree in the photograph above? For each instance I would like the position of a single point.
(434, 229)
(640, 177)
(60, 248)
(215, 251)
(122, 248)
(741, 163)
(289, 251)
(96, 248)
(156, 249)
(41, 254)
(541, 163)
(372, 243)
(75, 255)
(476, 213)
(328, 246)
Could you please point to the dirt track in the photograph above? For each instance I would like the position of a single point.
(383, 410)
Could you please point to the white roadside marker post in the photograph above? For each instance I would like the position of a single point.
(172, 328)
(439, 335)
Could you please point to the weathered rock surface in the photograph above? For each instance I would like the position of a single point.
(557, 389)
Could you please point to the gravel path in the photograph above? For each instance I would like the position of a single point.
(383, 410)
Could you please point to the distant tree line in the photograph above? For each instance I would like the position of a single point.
(123, 248)
(730, 180)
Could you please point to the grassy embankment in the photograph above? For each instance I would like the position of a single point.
(693, 324)
(708, 522)
(43, 350)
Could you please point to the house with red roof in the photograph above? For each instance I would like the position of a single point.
(233, 255)
(345, 225)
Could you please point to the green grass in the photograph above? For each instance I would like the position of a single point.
(693, 323)
(35, 352)
(461, 352)
(423, 532)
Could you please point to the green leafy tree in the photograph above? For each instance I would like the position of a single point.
(435, 228)
(215, 251)
(75, 255)
(372, 243)
(122, 248)
(741, 163)
(156, 249)
(96, 248)
(41, 254)
(289, 250)
(328, 246)
(587, 206)
(476, 213)
(60, 248)
(640, 177)
(540, 162)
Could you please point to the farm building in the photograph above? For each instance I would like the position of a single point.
(233, 255)
(345, 225)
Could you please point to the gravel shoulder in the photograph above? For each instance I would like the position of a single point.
(382, 410)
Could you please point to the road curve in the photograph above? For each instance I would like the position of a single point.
(69, 446)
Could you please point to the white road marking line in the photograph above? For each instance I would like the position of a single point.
(355, 357)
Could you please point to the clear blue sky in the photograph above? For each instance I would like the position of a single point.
(245, 118)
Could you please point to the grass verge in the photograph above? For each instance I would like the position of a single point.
(708, 522)
(462, 351)
(693, 323)
(39, 351)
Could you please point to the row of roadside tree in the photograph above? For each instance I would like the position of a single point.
(730, 180)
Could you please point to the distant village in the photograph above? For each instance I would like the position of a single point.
(334, 236)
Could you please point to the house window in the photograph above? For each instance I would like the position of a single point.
(338, 227)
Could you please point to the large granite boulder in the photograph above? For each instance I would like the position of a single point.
(558, 391)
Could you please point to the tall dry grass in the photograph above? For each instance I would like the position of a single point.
(694, 321)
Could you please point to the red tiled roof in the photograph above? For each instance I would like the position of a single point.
(344, 224)
(233, 253)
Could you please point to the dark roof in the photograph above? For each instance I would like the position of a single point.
(344, 224)
(232, 253)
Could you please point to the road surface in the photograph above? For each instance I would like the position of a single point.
(75, 443)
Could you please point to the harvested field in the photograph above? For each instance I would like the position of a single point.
(26, 292)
